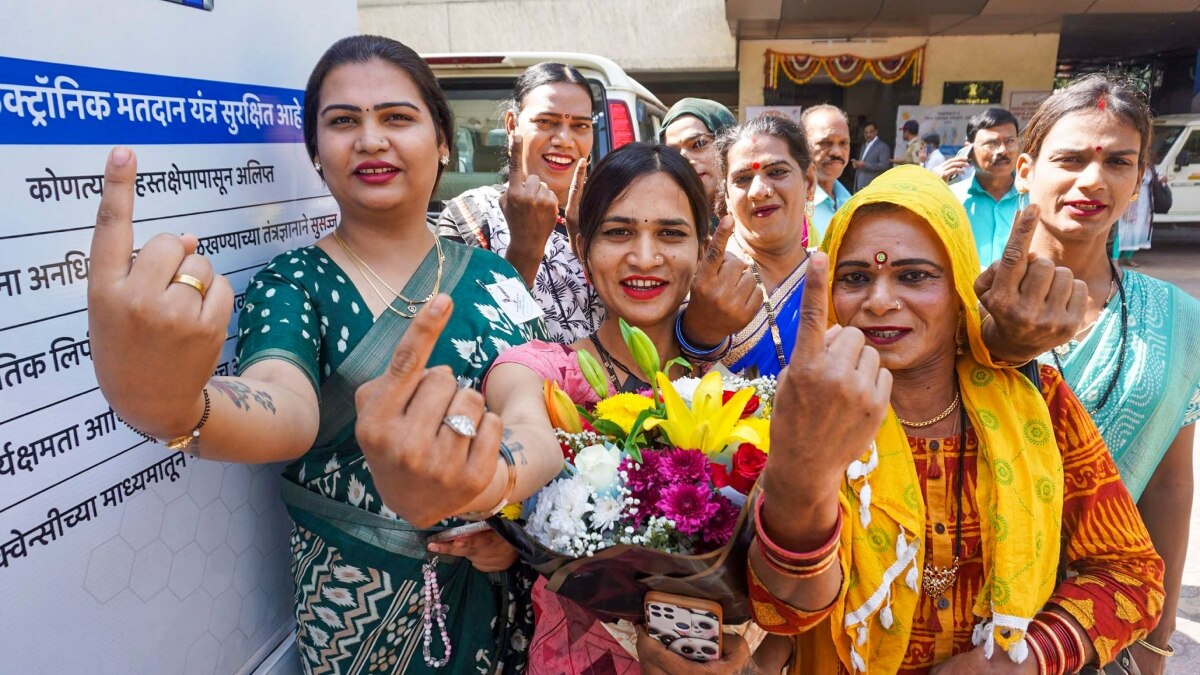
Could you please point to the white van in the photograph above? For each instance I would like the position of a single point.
(477, 84)
(1176, 154)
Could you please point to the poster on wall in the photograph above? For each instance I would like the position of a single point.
(1022, 104)
(948, 121)
(117, 555)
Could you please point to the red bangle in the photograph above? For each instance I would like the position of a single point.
(1068, 636)
(1041, 647)
(788, 558)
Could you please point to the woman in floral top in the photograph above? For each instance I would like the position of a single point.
(549, 126)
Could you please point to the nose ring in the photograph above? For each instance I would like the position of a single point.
(899, 305)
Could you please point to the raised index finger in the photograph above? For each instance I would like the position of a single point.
(397, 384)
(574, 195)
(814, 310)
(112, 240)
(1011, 269)
(714, 253)
(516, 177)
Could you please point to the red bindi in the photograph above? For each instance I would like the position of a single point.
(1102, 103)
(1099, 149)
(756, 166)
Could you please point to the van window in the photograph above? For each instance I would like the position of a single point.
(1164, 137)
(648, 123)
(1190, 152)
(480, 147)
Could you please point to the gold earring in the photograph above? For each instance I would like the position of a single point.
(1134, 198)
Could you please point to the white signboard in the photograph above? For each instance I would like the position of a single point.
(949, 121)
(116, 555)
(1022, 104)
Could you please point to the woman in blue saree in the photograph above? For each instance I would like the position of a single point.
(1133, 362)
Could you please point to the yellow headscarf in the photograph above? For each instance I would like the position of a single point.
(1019, 482)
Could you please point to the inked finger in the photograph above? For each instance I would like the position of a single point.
(1013, 260)
(399, 381)
(814, 309)
(714, 252)
(516, 175)
(112, 240)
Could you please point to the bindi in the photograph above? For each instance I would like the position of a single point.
(1099, 149)
(756, 166)
(881, 259)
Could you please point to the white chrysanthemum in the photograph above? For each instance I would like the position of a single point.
(686, 387)
(606, 514)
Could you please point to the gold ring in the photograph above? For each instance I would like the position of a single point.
(190, 280)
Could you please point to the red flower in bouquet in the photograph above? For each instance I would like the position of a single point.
(748, 462)
(751, 405)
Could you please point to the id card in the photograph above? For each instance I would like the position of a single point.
(514, 300)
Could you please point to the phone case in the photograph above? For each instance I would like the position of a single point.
(690, 627)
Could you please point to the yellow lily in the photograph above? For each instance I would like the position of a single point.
(709, 425)
(561, 408)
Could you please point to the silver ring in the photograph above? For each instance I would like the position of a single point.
(461, 425)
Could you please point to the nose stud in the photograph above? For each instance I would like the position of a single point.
(899, 305)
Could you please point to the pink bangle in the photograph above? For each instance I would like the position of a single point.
(787, 558)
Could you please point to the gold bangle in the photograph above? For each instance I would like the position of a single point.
(511, 464)
(1169, 651)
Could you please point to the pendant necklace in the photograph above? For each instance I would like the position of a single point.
(935, 581)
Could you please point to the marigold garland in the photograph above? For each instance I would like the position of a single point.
(844, 69)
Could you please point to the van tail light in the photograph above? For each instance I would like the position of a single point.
(621, 123)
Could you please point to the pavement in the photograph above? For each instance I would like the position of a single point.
(1175, 257)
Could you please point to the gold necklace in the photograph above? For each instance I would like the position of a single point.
(364, 269)
(940, 416)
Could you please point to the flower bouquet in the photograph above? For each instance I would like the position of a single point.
(653, 494)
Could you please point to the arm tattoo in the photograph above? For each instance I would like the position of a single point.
(240, 395)
(517, 449)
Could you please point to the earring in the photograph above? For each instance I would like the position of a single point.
(1134, 198)
(960, 337)
(809, 209)
(317, 166)
(445, 159)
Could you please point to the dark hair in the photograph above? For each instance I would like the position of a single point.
(932, 138)
(546, 72)
(366, 48)
(990, 119)
(870, 124)
(1095, 92)
(783, 128)
(618, 170)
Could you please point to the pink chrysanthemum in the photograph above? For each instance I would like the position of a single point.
(719, 529)
(683, 466)
(690, 506)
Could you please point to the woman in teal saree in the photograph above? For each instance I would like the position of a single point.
(368, 392)
(1133, 363)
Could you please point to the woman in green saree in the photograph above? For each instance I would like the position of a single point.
(367, 391)
(1132, 362)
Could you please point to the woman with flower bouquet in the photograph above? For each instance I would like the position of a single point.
(651, 465)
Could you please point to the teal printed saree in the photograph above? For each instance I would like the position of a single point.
(356, 566)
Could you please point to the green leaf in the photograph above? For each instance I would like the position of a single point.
(585, 414)
(678, 361)
(609, 428)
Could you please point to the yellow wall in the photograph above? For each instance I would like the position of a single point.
(1023, 62)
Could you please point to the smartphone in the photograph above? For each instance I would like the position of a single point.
(690, 627)
(965, 153)
(460, 532)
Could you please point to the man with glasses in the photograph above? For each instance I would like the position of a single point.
(989, 196)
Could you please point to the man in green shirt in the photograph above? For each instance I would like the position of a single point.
(989, 196)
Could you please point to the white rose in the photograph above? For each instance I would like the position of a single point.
(598, 465)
